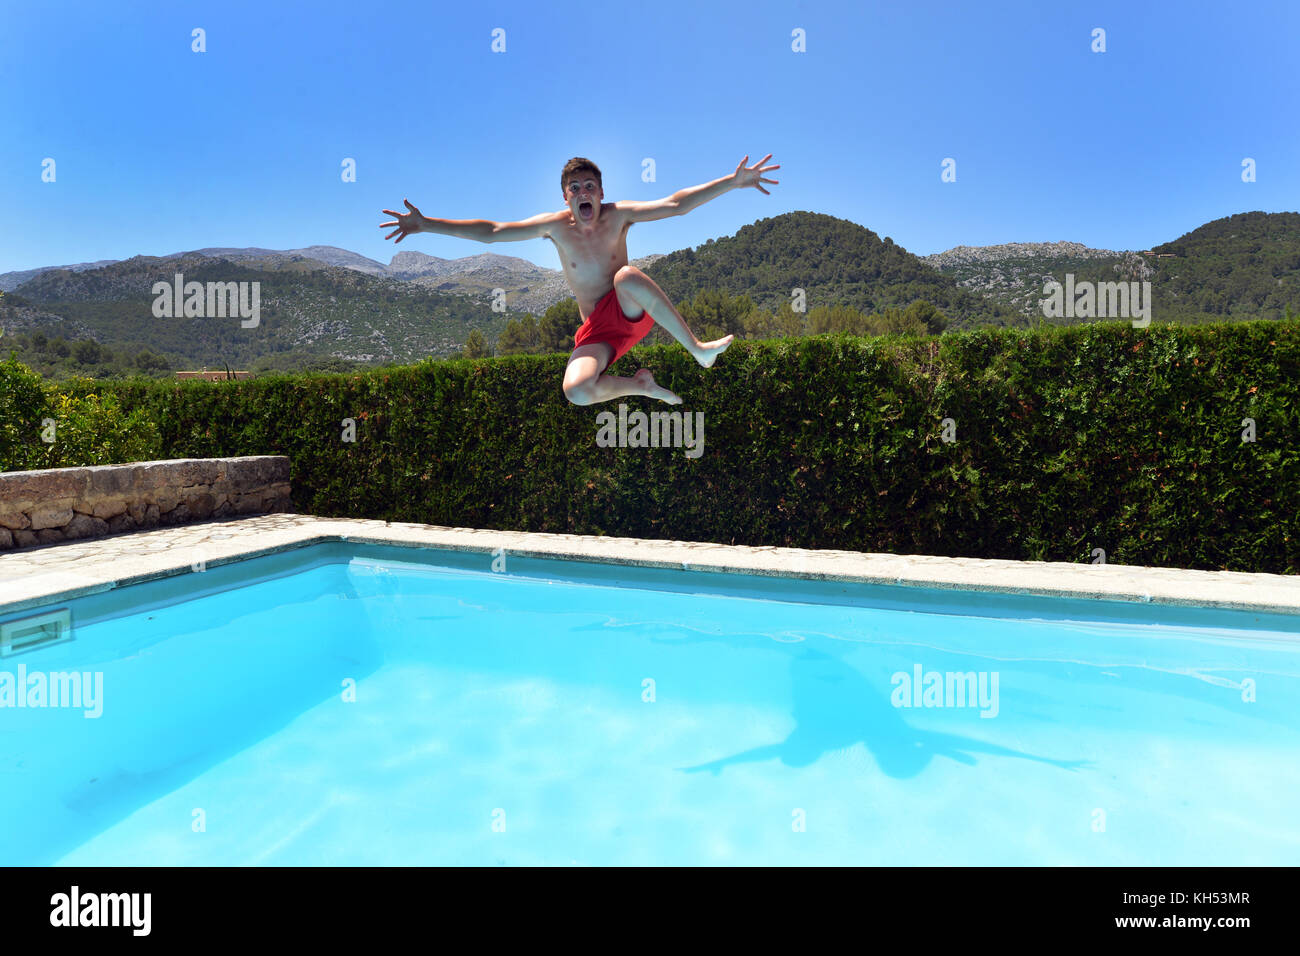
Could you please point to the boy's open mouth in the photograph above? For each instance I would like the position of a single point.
(585, 210)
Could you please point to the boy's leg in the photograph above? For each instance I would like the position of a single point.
(638, 293)
(585, 385)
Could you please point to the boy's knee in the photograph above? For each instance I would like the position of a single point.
(579, 393)
(625, 274)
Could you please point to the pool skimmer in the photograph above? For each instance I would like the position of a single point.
(29, 633)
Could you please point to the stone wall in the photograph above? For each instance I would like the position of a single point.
(64, 504)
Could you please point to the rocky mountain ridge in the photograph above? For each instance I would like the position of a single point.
(528, 286)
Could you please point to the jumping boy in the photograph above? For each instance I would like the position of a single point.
(614, 298)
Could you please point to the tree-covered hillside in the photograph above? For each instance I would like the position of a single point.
(1245, 266)
(836, 263)
(308, 313)
(99, 321)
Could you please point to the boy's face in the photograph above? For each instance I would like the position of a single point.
(583, 194)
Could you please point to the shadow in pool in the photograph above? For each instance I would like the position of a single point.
(835, 707)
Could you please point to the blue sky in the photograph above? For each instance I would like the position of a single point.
(160, 149)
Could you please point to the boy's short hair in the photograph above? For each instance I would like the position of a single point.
(577, 165)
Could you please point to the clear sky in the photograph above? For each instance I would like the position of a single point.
(159, 149)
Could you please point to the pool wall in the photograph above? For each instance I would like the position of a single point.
(42, 576)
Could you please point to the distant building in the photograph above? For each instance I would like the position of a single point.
(217, 376)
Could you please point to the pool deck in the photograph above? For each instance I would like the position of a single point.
(40, 576)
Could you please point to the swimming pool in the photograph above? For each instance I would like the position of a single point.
(346, 703)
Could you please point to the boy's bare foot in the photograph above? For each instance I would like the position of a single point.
(709, 351)
(651, 390)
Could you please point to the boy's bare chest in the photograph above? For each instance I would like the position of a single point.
(592, 259)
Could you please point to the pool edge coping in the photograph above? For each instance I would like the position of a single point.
(166, 552)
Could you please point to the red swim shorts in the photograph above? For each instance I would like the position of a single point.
(608, 324)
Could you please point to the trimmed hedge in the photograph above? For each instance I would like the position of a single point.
(1068, 439)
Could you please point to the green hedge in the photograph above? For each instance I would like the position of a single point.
(1068, 439)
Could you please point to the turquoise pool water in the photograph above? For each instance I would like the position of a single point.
(347, 704)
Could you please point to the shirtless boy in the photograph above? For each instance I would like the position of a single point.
(614, 298)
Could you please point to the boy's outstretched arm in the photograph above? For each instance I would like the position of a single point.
(684, 200)
(481, 230)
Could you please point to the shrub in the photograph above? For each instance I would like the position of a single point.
(23, 405)
(91, 430)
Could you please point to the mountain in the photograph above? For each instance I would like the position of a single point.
(1014, 273)
(1011, 251)
(328, 255)
(12, 280)
(319, 304)
(322, 304)
(273, 258)
(835, 262)
(417, 265)
(528, 287)
(1243, 266)
(309, 310)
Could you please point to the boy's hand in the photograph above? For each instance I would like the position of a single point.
(753, 175)
(406, 223)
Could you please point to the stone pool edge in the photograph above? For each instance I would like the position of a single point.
(61, 572)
